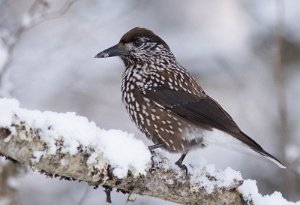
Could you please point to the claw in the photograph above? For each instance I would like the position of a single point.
(180, 165)
(151, 148)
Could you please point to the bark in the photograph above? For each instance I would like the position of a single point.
(161, 181)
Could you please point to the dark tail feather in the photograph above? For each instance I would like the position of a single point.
(257, 148)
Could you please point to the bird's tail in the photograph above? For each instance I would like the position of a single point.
(257, 148)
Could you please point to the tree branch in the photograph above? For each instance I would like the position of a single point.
(23, 139)
(159, 182)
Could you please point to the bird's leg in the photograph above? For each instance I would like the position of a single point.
(180, 165)
(107, 191)
(153, 147)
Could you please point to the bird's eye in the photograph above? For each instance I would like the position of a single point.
(137, 43)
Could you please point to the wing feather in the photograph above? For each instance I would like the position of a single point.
(200, 110)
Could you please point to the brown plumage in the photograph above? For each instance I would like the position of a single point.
(166, 102)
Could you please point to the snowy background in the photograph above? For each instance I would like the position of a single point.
(46, 62)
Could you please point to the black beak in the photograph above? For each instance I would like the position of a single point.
(116, 50)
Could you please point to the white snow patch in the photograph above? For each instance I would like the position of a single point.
(7, 107)
(63, 162)
(36, 156)
(92, 159)
(206, 176)
(250, 192)
(121, 149)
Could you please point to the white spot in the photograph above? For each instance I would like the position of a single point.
(141, 117)
(137, 76)
(174, 118)
(140, 84)
(148, 121)
(146, 99)
(182, 146)
(145, 113)
(153, 116)
(132, 97)
(137, 104)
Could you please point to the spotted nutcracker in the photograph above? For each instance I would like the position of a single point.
(166, 102)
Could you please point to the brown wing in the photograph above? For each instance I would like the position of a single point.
(203, 111)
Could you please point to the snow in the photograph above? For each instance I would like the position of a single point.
(250, 192)
(36, 156)
(121, 149)
(207, 176)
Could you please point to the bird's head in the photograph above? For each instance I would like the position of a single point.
(138, 44)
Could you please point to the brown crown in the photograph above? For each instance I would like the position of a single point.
(137, 32)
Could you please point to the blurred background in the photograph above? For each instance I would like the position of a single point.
(245, 53)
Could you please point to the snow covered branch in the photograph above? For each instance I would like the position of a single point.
(71, 147)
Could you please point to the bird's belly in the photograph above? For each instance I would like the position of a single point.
(162, 126)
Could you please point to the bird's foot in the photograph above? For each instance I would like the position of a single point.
(153, 154)
(153, 147)
(107, 191)
(182, 166)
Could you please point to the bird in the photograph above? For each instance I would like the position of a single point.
(167, 103)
